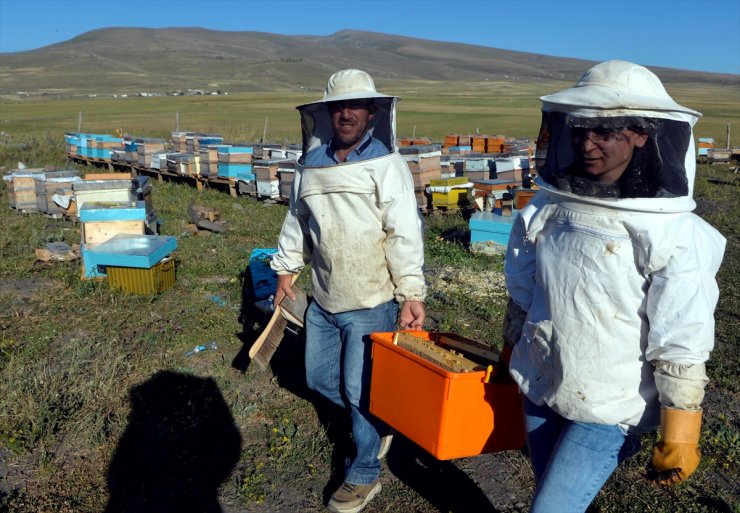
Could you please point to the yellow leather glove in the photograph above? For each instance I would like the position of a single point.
(676, 455)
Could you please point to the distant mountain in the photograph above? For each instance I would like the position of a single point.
(133, 59)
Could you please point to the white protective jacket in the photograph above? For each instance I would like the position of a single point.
(356, 223)
(616, 293)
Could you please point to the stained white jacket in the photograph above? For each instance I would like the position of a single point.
(609, 287)
(358, 225)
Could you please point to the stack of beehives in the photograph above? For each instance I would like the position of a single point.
(190, 142)
(146, 148)
(425, 166)
(235, 162)
(413, 141)
(266, 178)
(34, 191)
(110, 205)
(209, 159)
(286, 174)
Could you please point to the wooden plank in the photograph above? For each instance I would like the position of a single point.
(108, 176)
(97, 232)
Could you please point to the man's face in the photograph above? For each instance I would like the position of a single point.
(606, 153)
(349, 119)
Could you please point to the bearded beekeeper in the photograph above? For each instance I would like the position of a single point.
(353, 216)
(612, 287)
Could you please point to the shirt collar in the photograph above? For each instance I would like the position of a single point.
(356, 152)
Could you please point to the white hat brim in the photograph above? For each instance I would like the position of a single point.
(358, 95)
(605, 98)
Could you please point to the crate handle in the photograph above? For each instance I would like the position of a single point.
(489, 373)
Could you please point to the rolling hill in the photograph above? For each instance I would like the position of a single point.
(133, 59)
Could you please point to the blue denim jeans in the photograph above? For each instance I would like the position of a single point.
(338, 359)
(571, 460)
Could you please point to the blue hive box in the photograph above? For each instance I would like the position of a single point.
(243, 171)
(140, 251)
(236, 149)
(490, 231)
(264, 279)
(113, 211)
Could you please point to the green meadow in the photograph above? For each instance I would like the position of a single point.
(426, 110)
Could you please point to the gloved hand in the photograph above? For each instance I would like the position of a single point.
(676, 455)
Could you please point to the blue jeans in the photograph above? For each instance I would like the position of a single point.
(338, 359)
(571, 460)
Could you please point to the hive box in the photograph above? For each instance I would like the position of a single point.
(449, 193)
(101, 221)
(140, 251)
(448, 414)
(491, 230)
(264, 279)
(269, 189)
(243, 171)
(146, 282)
(103, 190)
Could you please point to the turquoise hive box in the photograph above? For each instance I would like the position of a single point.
(140, 251)
(490, 231)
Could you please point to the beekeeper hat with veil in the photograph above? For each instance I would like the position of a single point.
(348, 84)
(616, 96)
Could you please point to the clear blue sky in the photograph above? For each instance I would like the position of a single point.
(699, 35)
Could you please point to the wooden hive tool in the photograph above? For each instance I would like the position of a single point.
(286, 311)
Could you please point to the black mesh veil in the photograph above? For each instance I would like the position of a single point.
(656, 170)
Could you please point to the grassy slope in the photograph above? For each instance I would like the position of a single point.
(72, 352)
(434, 108)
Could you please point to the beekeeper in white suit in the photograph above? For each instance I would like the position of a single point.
(612, 287)
(353, 216)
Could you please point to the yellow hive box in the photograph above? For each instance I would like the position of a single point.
(451, 199)
(145, 282)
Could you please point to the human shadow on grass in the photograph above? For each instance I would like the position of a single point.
(179, 446)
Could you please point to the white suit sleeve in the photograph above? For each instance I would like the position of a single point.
(294, 243)
(404, 244)
(680, 307)
(683, 294)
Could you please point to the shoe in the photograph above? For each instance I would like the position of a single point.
(351, 498)
(385, 444)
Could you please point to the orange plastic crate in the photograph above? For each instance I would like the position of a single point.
(449, 414)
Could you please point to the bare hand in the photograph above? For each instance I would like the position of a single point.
(412, 315)
(284, 288)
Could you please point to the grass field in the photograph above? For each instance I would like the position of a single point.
(90, 377)
(426, 110)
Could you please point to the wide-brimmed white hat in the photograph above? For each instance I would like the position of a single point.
(350, 84)
(617, 85)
